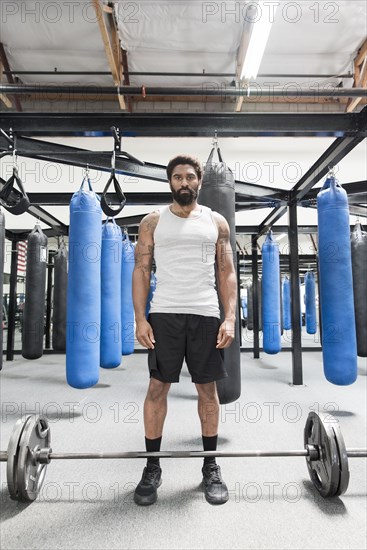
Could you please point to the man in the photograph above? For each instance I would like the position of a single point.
(186, 240)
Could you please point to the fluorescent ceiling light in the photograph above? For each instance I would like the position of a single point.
(259, 38)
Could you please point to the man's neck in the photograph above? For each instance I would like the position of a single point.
(184, 211)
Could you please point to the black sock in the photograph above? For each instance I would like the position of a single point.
(152, 446)
(210, 444)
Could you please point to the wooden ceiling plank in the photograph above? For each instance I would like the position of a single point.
(117, 52)
(108, 49)
(3, 97)
(362, 52)
(6, 101)
(4, 65)
(241, 54)
(360, 76)
(239, 104)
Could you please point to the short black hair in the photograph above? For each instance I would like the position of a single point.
(185, 159)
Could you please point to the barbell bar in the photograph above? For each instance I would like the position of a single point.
(29, 452)
(49, 455)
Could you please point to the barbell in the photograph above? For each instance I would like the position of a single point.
(29, 453)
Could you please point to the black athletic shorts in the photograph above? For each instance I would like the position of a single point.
(180, 336)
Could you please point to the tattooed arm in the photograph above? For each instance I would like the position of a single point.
(227, 282)
(144, 251)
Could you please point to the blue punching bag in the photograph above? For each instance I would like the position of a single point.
(244, 306)
(310, 303)
(339, 345)
(271, 295)
(84, 289)
(127, 306)
(286, 295)
(111, 295)
(153, 284)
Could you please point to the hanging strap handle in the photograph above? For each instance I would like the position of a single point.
(37, 228)
(17, 205)
(125, 234)
(210, 158)
(110, 219)
(86, 179)
(111, 212)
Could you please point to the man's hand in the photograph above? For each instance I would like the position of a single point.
(144, 334)
(226, 333)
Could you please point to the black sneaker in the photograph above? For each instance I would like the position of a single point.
(146, 490)
(215, 489)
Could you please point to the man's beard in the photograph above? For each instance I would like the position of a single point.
(184, 197)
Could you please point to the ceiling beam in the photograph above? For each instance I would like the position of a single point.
(133, 199)
(188, 124)
(356, 191)
(73, 156)
(358, 210)
(101, 160)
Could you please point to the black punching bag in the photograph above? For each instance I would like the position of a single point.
(259, 299)
(59, 301)
(218, 193)
(359, 268)
(2, 249)
(250, 308)
(35, 287)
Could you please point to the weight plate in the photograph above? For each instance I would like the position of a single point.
(13, 455)
(30, 473)
(325, 470)
(343, 460)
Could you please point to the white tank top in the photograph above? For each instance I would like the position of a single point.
(184, 253)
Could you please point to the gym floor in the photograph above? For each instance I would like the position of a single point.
(273, 504)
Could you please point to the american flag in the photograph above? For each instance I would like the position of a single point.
(22, 256)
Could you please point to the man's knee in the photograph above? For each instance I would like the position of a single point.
(157, 389)
(208, 392)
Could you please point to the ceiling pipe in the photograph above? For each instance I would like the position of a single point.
(253, 91)
(168, 74)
